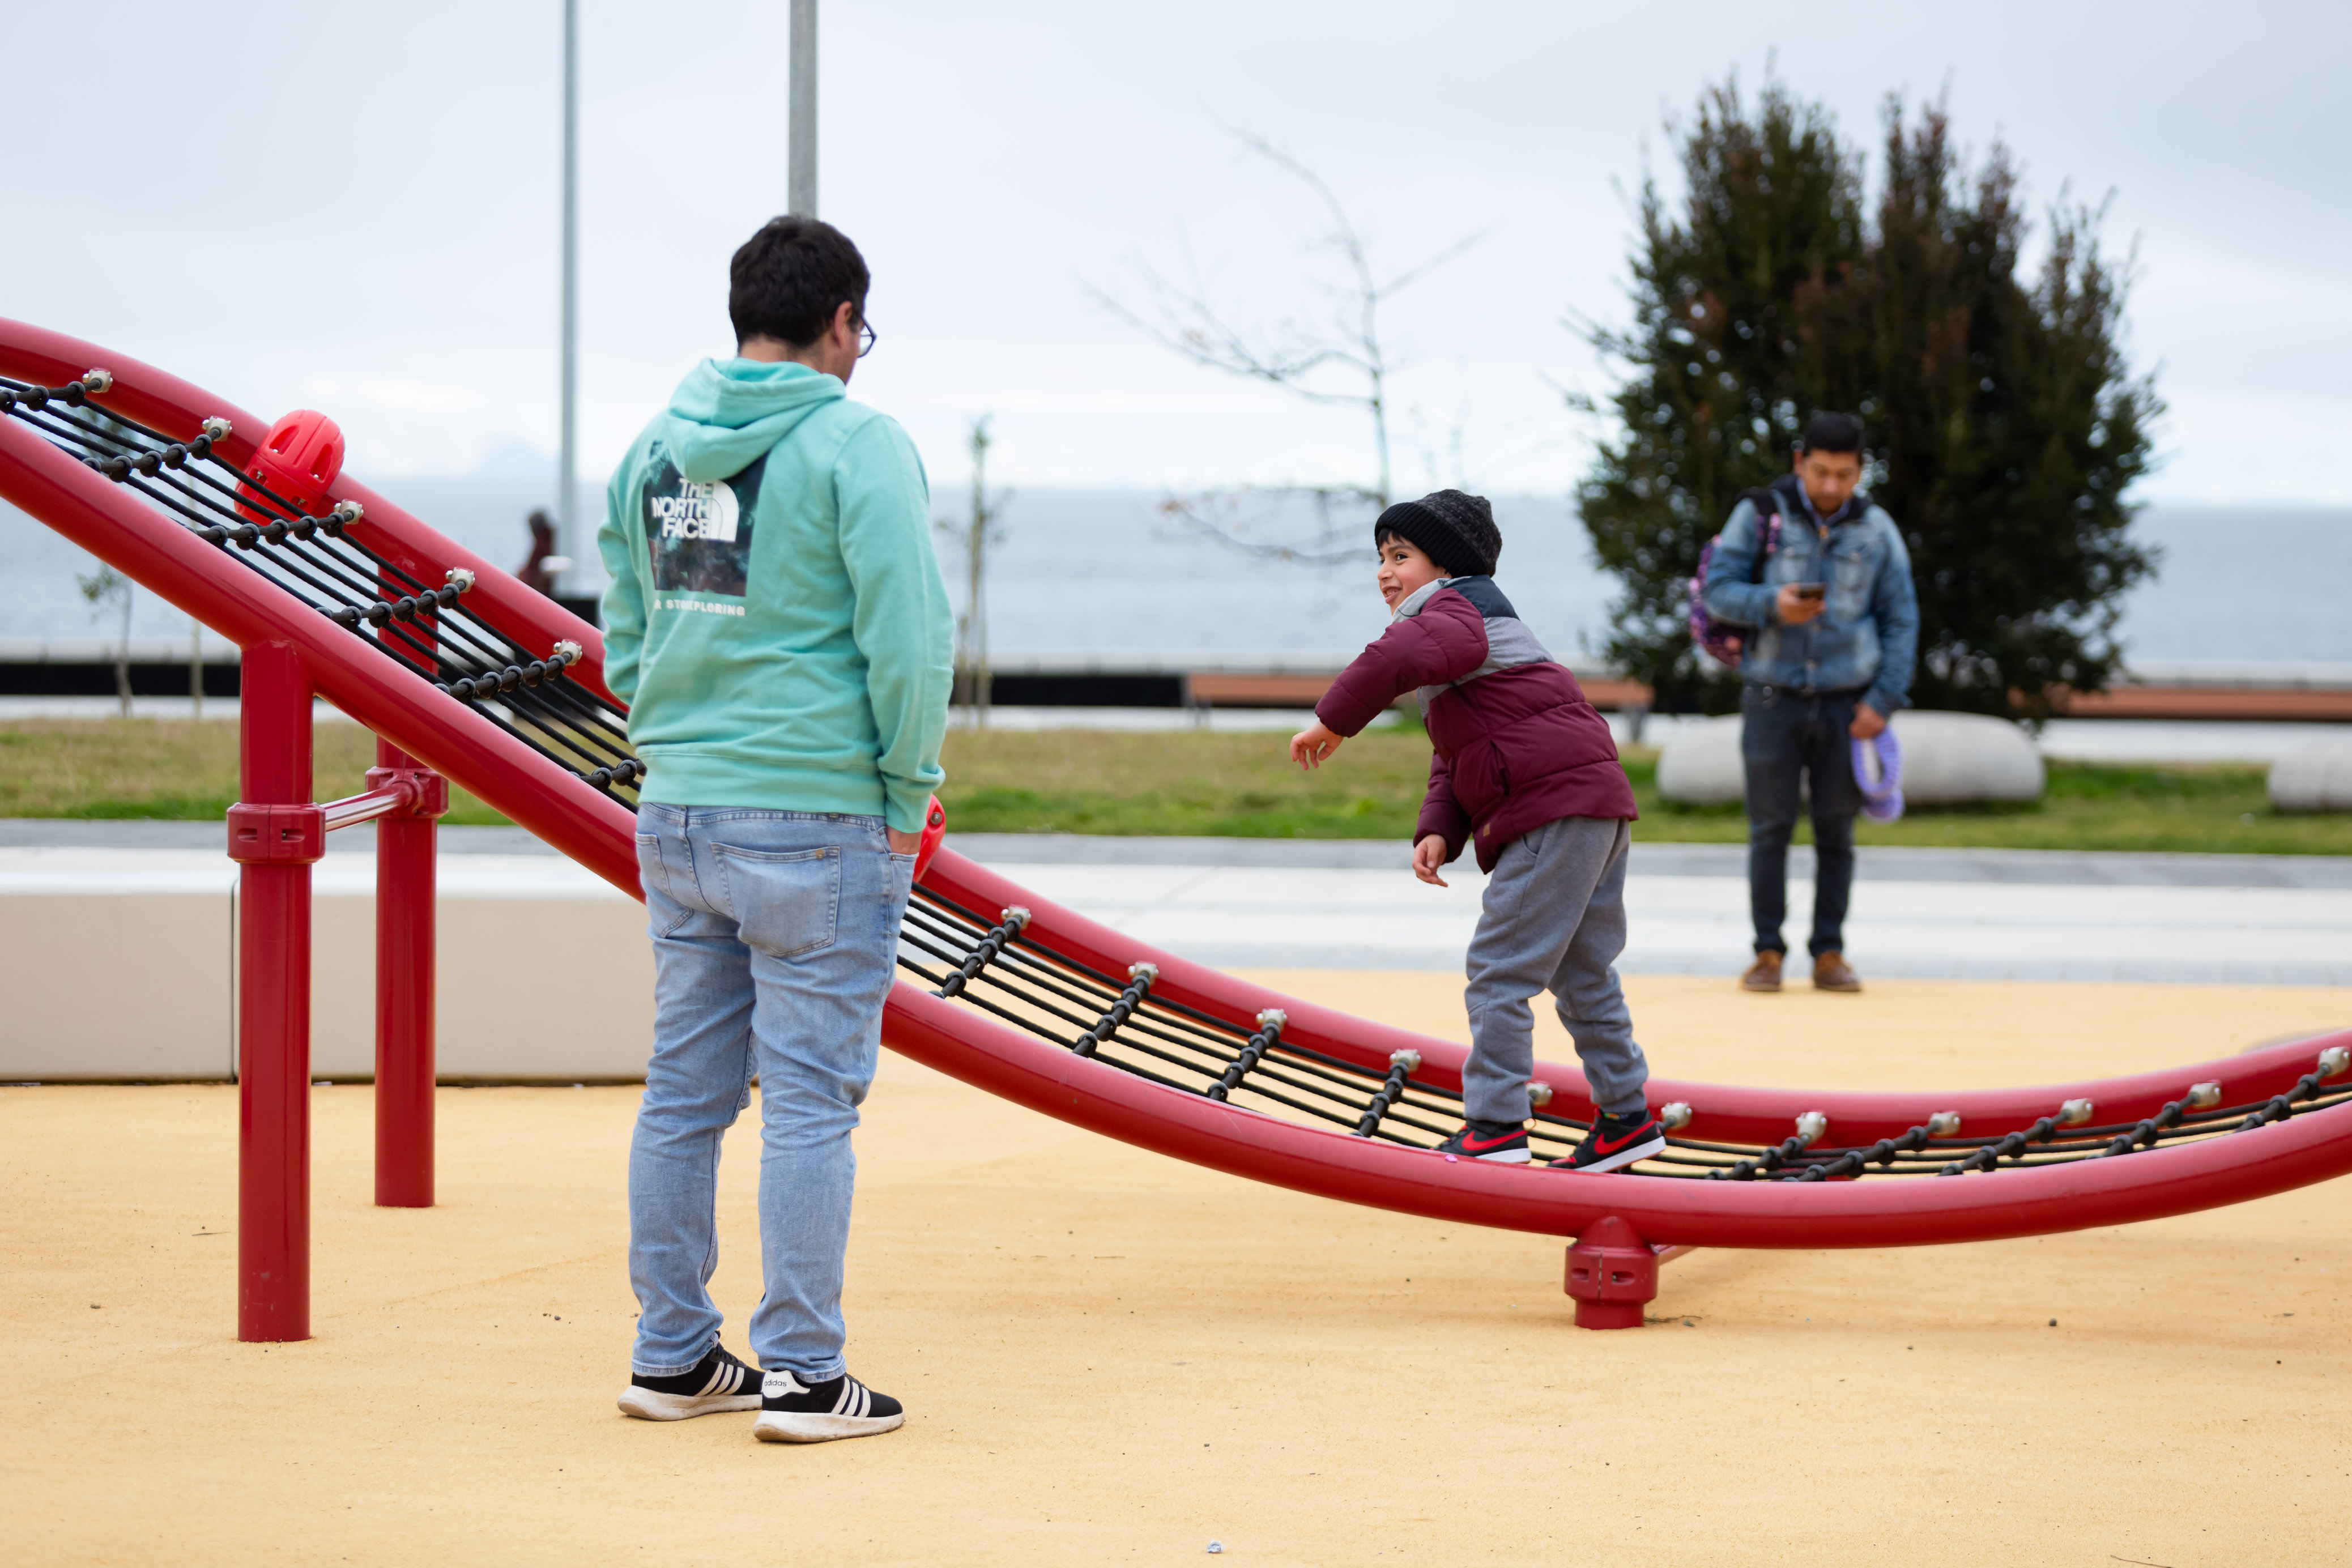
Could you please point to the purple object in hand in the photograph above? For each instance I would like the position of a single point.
(1882, 799)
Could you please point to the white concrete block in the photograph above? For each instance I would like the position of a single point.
(1701, 766)
(1949, 759)
(2314, 776)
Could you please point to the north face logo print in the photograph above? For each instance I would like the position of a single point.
(699, 512)
(699, 534)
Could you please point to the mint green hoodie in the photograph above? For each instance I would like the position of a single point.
(776, 621)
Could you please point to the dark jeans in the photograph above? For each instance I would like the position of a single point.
(1783, 734)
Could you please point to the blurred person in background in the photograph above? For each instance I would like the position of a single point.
(535, 572)
(1835, 624)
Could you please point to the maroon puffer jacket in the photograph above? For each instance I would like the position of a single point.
(1518, 745)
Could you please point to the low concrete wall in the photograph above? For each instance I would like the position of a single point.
(113, 973)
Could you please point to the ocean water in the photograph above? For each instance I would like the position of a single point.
(1104, 576)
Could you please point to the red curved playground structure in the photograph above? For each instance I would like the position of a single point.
(465, 674)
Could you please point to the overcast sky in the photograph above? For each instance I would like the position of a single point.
(356, 208)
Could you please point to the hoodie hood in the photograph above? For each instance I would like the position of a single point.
(728, 412)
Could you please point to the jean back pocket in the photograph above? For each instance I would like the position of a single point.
(785, 902)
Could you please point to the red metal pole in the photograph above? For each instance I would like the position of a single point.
(275, 834)
(405, 848)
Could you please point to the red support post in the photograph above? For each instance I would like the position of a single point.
(275, 834)
(1613, 1274)
(405, 849)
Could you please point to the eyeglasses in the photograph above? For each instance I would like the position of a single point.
(865, 339)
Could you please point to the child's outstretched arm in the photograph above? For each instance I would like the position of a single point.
(1445, 642)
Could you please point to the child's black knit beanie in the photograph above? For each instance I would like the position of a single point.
(1454, 530)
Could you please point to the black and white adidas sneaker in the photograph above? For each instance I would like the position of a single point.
(718, 1382)
(796, 1412)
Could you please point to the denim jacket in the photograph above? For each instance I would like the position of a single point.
(1865, 641)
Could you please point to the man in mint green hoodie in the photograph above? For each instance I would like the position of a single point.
(777, 625)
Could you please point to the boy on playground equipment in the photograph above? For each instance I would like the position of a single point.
(1527, 769)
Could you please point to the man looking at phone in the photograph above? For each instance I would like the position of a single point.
(1835, 625)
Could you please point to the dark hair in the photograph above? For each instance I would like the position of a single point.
(789, 280)
(1831, 433)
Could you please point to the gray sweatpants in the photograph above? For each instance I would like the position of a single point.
(1554, 920)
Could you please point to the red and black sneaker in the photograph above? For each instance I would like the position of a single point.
(1615, 1142)
(1505, 1143)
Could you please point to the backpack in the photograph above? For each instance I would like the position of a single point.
(1720, 640)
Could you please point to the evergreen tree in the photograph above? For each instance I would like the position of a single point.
(2002, 424)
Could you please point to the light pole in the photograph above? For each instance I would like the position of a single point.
(567, 444)
(801, 143)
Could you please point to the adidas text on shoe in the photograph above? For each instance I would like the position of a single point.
(796, 1412)
(1615, 1142)
(1505, 1143)
(718, 1382)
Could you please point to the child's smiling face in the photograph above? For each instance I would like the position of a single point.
(1404, 570)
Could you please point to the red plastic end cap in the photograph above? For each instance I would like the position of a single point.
(298, 461)
(1612, 1275)
(935, 832)
(429, 791)
(275, 835)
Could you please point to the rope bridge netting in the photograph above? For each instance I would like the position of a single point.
(319, 558)
(997, 967)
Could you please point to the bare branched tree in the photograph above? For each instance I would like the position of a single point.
(103, 587)
(1332, 355)
(973, 535)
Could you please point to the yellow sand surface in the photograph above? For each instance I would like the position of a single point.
(1112, 1357)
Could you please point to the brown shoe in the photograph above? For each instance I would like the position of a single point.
(1831, 972)
(1764, 974)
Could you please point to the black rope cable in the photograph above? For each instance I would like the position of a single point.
(1356, 1075)
(62, 430)
(1078, 1019)
(328, 592)
(1989, 1157)
(1014, 961)
(1015, 958)
(947, 955)
(30, 412)
(1124, 1038)
(73, 395)
(1914, 1149)
(1215, 1049)
(1030, 943)
(593, 718)
(1376, 1111)
(490, 712)
(1251, 1054)
(1119, 1039)
(1009, 956)
(291, 558)
(366, 579)
(1120, 1034)
(287, 565)
(525, 715)
(315, 567)
(561, 733)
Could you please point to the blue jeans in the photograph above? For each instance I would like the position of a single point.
(775, 939)
(1784, 733)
